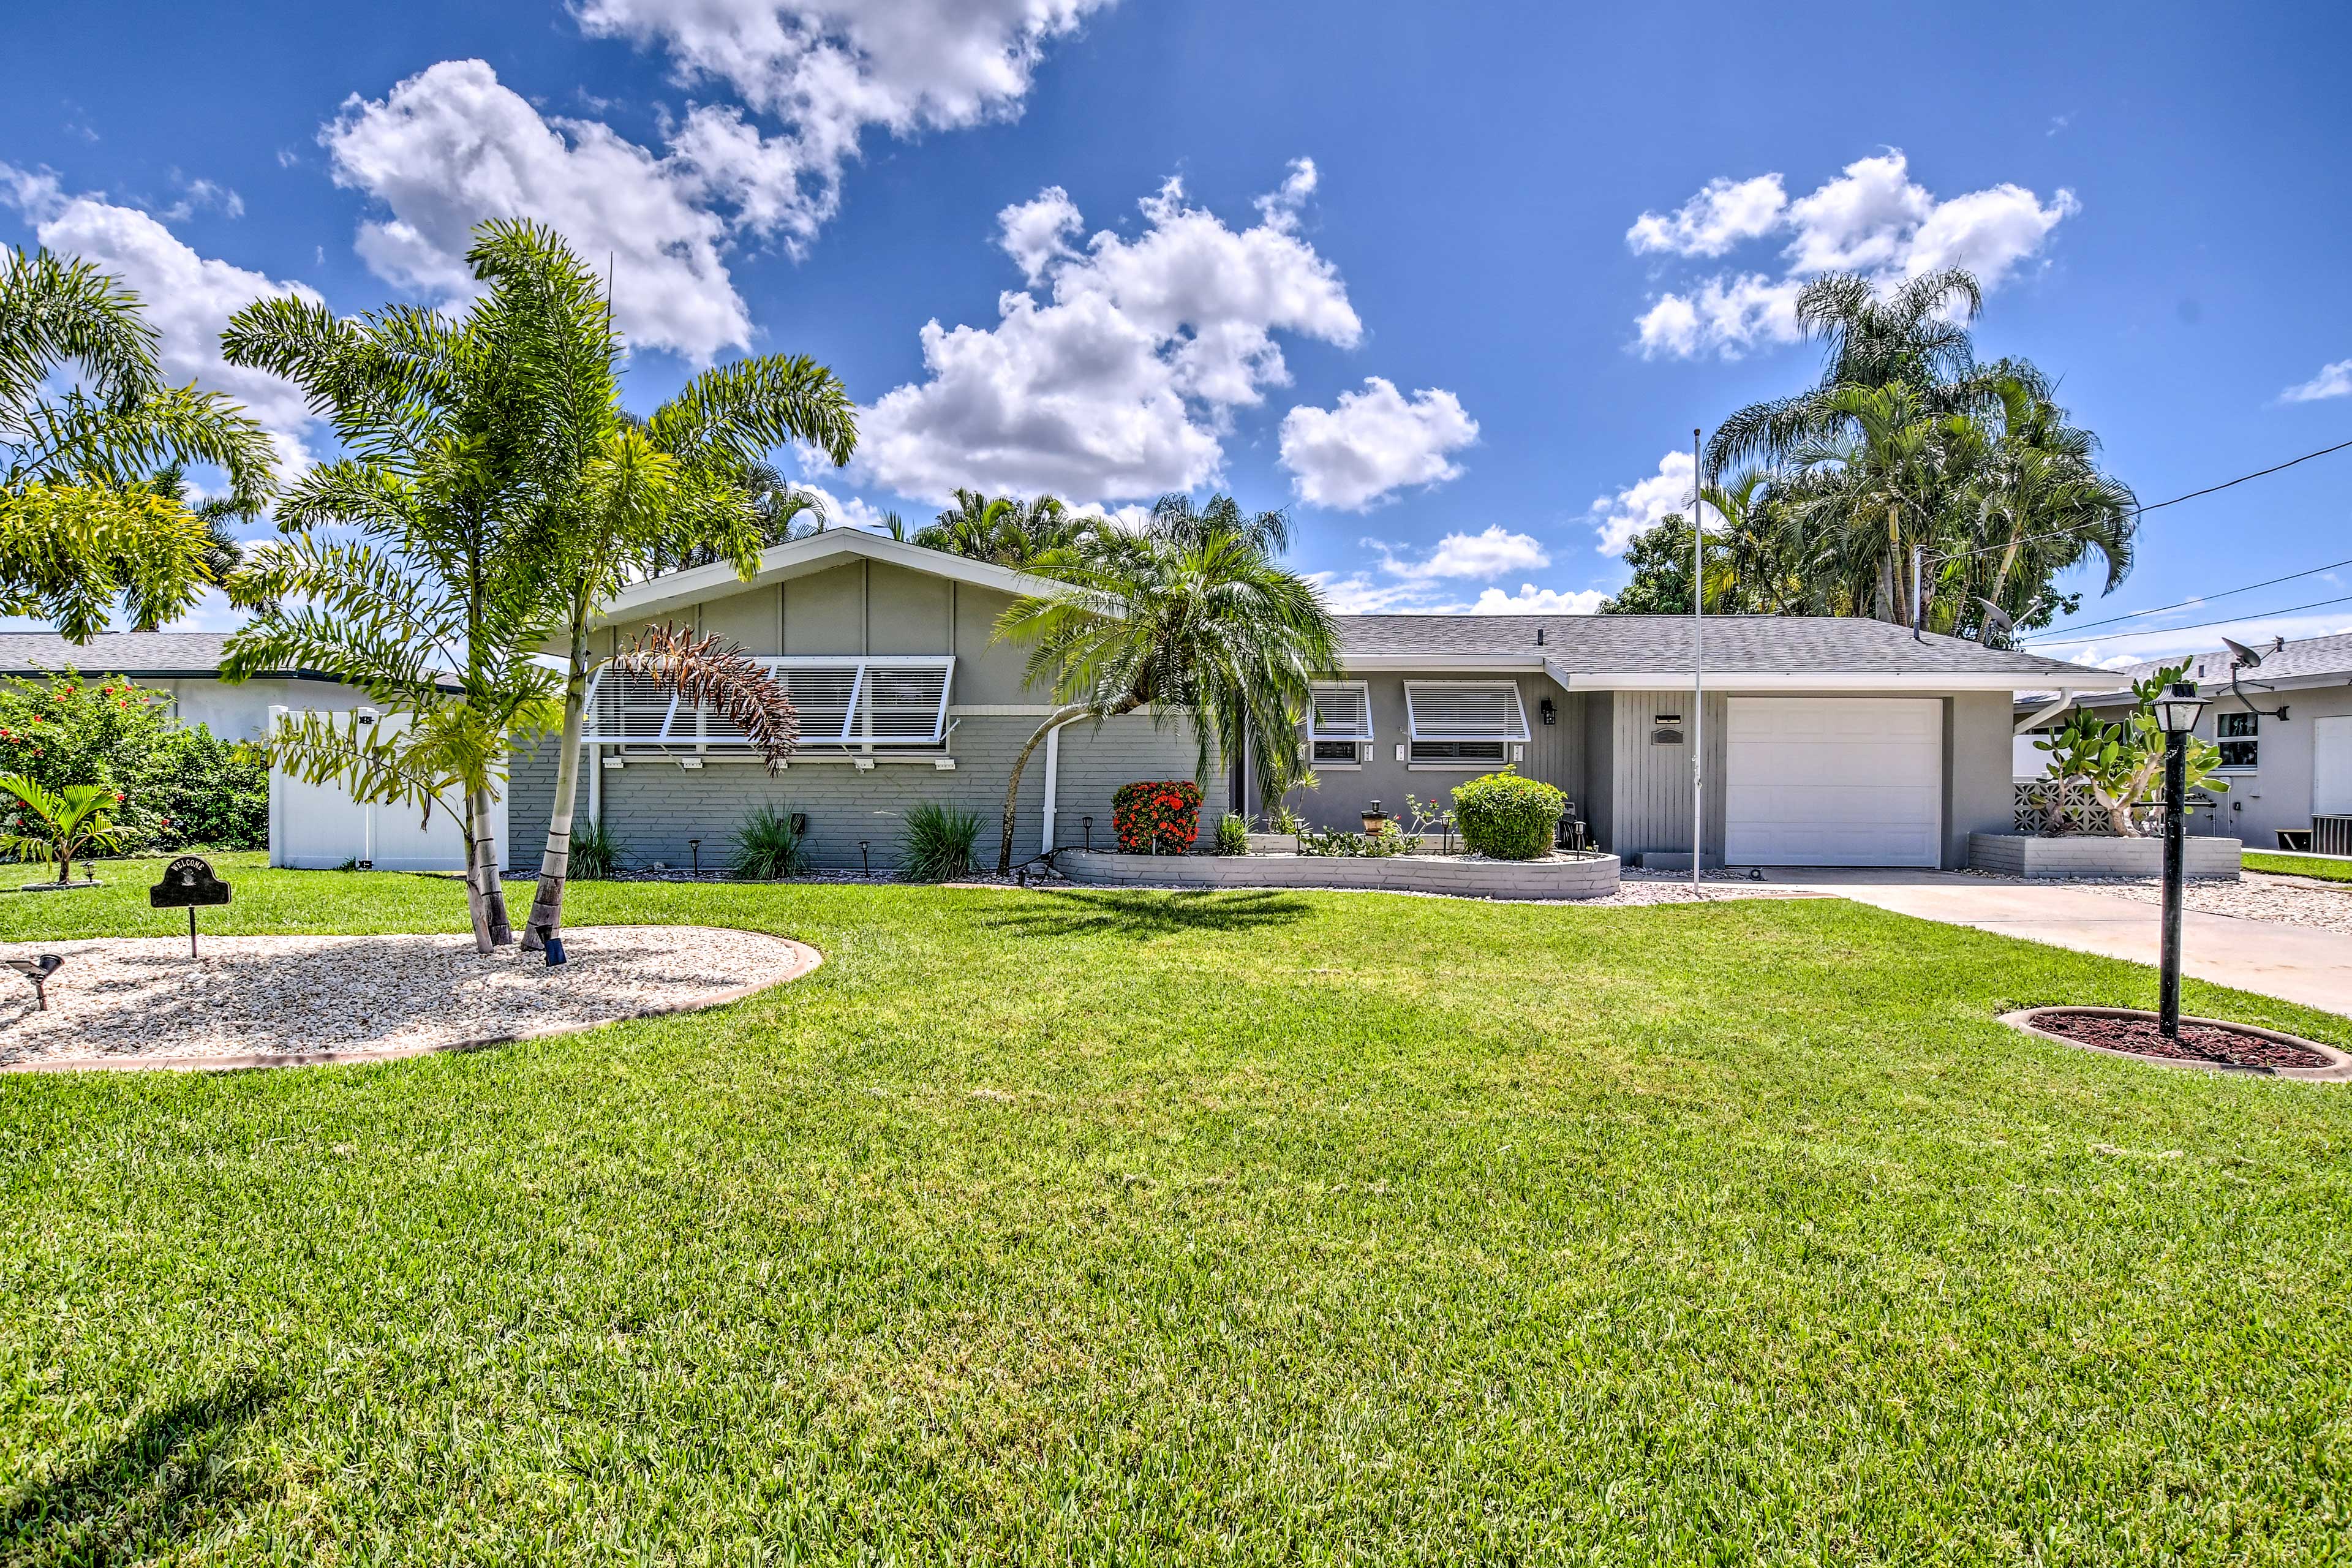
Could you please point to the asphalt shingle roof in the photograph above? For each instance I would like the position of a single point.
(1661, 645)
(114, 653)
(2312, 655)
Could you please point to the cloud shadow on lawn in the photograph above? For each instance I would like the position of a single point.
(1145, 915)
(149, 1490)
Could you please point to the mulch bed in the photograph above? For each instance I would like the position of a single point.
(2198, 1042)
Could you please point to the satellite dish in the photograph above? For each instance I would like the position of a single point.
(2242, 657)
(1997, 621)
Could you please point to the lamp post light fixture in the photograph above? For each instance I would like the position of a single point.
(2176, 715)
(864, 860)
(695, 845)
(1090, 833)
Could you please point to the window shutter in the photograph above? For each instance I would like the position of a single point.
(1465, 711)
(1342, 713)
(839, 702)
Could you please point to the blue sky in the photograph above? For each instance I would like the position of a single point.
(1451, 281)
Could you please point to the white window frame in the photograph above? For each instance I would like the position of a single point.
(1512, 736)
(684, 726)
(1359, 737)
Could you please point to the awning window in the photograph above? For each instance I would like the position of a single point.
(1343, 712)
(841, 702)
(1465, 711)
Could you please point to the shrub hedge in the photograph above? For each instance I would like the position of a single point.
(181, 785)
(1506, 817)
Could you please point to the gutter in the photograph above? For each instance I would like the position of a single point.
(2010, 681)
(2050, 710)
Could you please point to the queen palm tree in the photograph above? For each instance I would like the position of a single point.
(81, 523)
(1192, 617)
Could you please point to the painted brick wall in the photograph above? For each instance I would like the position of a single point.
(654, 807)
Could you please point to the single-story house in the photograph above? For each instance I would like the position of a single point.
(1826, 741)
(186, 665)
(2290, 774)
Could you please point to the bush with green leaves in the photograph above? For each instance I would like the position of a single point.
(1233, 835)
(595, 852)
(1509, 817)
(179, 784)
(940, 841)
(768, 846)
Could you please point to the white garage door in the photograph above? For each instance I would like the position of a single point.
(1815, 781)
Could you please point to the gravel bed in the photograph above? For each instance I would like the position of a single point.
(144, 997)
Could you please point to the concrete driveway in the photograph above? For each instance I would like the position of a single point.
(2294, 963)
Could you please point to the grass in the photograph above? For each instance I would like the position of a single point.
(2324, 868)
(1097, 1226)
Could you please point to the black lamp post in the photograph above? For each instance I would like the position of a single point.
(2176, 715)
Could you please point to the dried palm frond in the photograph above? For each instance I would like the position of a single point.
(709, 671)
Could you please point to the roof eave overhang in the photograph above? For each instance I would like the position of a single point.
(659, 596)
(1731, 680)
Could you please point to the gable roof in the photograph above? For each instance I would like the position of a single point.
(140, 655)
(799, 558)
(1606, 650)
(2313, 659)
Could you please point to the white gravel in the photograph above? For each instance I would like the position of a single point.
(143, 998)
(2288, 901)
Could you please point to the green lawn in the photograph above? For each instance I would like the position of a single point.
(1132, 1228)
(2327, 869)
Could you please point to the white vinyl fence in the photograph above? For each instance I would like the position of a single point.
(320, 826)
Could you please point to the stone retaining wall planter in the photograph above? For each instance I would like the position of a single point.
(2087, 854)
(1561, 876)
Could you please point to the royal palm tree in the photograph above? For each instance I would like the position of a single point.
(1194, 620)
(81, 521)
(615, 495)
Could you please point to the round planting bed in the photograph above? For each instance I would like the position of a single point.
(1558, 876)
(2209, 1045)
(298, 1001)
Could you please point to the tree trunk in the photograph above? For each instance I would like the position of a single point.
(64, 866)
(546, 919)
(477, 913)
(1013, 786)
(483, 856)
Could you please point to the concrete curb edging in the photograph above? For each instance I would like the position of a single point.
(2337, 1070)
(1546, 880)
(805, 960)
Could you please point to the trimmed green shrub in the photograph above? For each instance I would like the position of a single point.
(1506, 817)
(767, 847)
(595, 852)
(939, 843)
(179, 785)
(1233, 835)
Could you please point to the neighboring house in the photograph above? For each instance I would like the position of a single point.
(188, 665)
(2283, 773)
(1827, 742)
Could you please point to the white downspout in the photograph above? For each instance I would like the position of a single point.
(2048, 711)
(1053, 777)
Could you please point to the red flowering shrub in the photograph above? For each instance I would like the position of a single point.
(1161, 818)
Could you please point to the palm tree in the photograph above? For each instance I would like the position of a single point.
(613, 495)
(1190, 617)
(67, 822)
(80, 523)
(1004, 530)
(784, 510)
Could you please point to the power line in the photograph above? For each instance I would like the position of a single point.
(2143, 511)
(2195, 626)
(2188, 603)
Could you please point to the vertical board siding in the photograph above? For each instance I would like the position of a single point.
(1652, 784)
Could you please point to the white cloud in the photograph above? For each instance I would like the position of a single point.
(450, 147)
(1618, 518)
(197, 195)
(1490, 553)
(1712, 222)
(1375, 444)
(2107, 650)
(1117, 383)
(1873, 218)
(1531, 600)
(827, 69)
(188, 298)
(1281, 205)
(1358, 594)
(2332, 381)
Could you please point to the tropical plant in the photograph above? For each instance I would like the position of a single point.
(1002, 529)
(768, 846)
(83, 522)
(1382, 841)
(615, 495)
(783, 511)
(1156, 817)
(63, 823)
(1232, 833)
(1506, 817)
(2118, 763)
(179, 784)
(1190, 616)
(940, 840)
(595, 851)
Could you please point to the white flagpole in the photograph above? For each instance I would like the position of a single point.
(1698, 670)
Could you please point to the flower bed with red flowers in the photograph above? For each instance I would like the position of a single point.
(1157, 818)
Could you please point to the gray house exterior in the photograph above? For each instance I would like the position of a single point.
(186, 665)
(1826, 741)
(2285, 774)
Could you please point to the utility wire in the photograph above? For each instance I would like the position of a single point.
(2193, 625)
(2188, 603)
